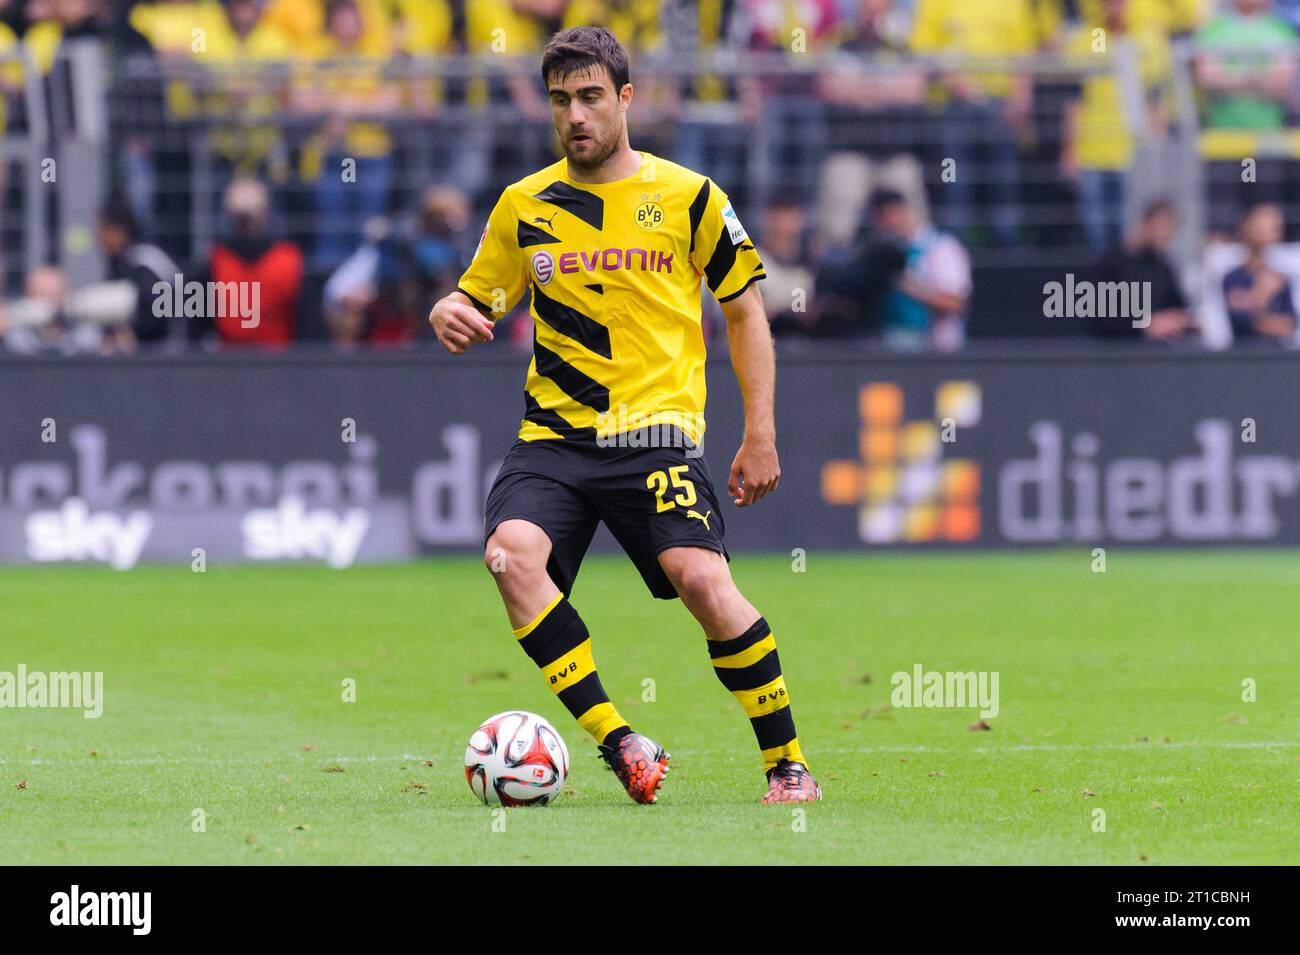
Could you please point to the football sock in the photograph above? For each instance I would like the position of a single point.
(748, 666)
(558, 642)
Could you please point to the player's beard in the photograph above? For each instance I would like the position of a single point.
(601, 150)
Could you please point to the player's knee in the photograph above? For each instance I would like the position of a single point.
(700, 581)
(516, 553)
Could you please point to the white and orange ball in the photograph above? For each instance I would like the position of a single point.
(516, 759)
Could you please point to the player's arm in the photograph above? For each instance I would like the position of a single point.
(495, 275)
(755, 471)
(457, 323)
(722, 253)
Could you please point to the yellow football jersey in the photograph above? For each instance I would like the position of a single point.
(616, 272)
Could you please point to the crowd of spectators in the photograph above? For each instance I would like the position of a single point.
(342, 174)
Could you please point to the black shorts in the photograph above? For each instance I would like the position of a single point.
(651, 498)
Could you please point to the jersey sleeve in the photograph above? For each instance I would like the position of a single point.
(721, 250)
(496, 278)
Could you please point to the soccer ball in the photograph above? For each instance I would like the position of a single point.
(516, 759)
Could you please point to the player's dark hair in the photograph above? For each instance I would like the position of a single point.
(583, 48)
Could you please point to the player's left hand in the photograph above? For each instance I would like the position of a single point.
(755, 472)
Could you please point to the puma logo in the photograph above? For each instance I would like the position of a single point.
(547, 221)
(702, 518)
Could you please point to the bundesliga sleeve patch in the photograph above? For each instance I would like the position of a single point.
(734, 228)
(479, 247)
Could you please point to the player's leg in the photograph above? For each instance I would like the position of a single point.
(660, 505)
(743, 650)
(517, 554)
(548, 628)
(538, 532)
(701, 578)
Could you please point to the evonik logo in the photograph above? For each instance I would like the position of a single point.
(611, 260)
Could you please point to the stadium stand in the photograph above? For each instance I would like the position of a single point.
(1027, 134)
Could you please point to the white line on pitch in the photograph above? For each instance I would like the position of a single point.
(408, 757)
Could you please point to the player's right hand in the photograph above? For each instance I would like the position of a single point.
(458, 324)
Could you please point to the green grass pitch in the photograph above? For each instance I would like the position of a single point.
(1119, 691)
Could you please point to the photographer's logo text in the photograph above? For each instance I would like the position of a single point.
(36, 689)
(103, 908)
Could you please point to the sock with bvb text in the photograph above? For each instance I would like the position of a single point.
(748, 666)
(558, 642)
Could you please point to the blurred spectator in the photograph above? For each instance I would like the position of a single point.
(1168, 17)
(225, 96)
(1257, 296)
(1042, 138)
(926, 308)
(442, 245)
(423, 27)
(711, 136)
(175, 27)
(38, 322)
(350, 157)
(381, 294)
(852, 284)
(985, 113)
(1145, 259)
(873, 113)
(515, 28)
(305, 23)
(1247, 67)
(1049, 21)
(1288, 10)
(246, 80)
(11, 72)
(1099, 138)
(177, 31)
(788, 290)
(11, 89)
(143, 265)
(634, 22)
(351, 294)
(57, 28)
(788, 107)
(266, 271)
(430, 135)
(245, 139)
(158, 158)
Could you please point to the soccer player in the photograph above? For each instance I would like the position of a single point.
(614, 244)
